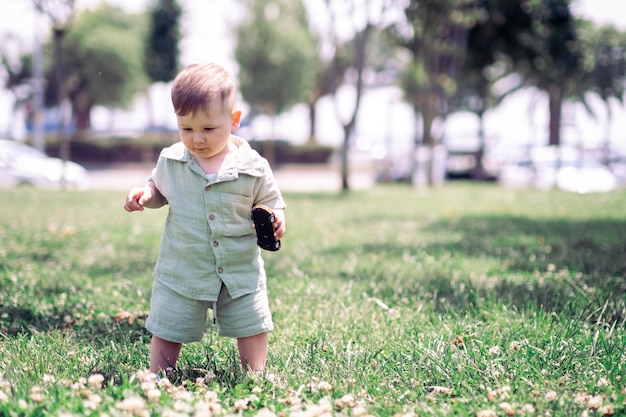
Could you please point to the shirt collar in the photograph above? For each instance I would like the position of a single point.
(246, 161)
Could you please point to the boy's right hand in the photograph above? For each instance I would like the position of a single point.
(137, 198)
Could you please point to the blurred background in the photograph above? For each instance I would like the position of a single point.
(524, 92)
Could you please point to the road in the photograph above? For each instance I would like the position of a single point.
(292, 178)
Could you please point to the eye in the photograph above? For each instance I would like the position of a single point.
(208, 129)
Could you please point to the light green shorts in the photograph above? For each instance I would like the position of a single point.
(176, 318)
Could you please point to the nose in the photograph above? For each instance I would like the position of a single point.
(198, 137)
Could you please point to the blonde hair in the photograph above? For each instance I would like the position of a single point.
(198, 86)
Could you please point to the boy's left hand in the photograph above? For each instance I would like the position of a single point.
(279, 223)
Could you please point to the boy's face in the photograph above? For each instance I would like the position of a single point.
(206, 133)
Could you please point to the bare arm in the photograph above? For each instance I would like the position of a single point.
(142, 197)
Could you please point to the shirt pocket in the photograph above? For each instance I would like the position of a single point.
(235, 209)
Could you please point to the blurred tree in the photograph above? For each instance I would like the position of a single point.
(162, 52)
(102, 62)
(490, 40)
(60, 13)
(604, 49)
(362, 21)
(436, 34)
(330, 76)
(16, 70)
(277, 58)
(545, 49)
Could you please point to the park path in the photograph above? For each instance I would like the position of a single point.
(292, 178)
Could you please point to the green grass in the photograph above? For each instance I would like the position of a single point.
(462, 300)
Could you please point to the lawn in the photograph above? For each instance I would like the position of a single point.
(465, 300)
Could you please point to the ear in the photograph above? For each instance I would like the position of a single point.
(235, 119)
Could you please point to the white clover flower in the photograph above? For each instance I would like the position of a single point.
(607, 410)
(182, 407)
(595, 402)
(202, 410)
(266, 412)
(324, 386)
(135, 406)
(514, 346)
(182, 395)
(528, 409)
(551, 395)
(603, 382)
(49, 379)
(359, 411)
(153, 395)
(486, 413)
(495, 350)
(35, 394)
(507, 409)
(95, 381)
(92, 402)
(143, 375)
(347, 401)
(581, 398)
(3, 396)
(211, 397)
(289, 400)
(240, 405)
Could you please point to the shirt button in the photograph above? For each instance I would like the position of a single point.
(216, 243)
(211, 216)
(220, 270)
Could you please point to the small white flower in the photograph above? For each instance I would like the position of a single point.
(240, 405)
(324, 386)
(135, 406)
(507, 409)
(595, 402)
(49, 379)
(495, 350)
(153, 395)
(92, 402)
(35, 394)
(551, 395)
(95, 381)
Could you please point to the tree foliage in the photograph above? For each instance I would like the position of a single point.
(162, 53)
(102, 62)
(276, 55)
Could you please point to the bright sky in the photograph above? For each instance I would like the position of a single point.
(207, 36)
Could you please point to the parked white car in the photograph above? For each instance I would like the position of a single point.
(566, 169)
(23, 165)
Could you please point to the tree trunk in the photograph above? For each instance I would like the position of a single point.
(555, 105)
(345, 170)
(429, 113)
(64, 139)
(360, 43)
(82, 121)
(312, 120)
(479, 169)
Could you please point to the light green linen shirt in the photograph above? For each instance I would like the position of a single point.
(208, 236)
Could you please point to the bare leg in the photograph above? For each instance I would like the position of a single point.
(163, 354)
(253, 352)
